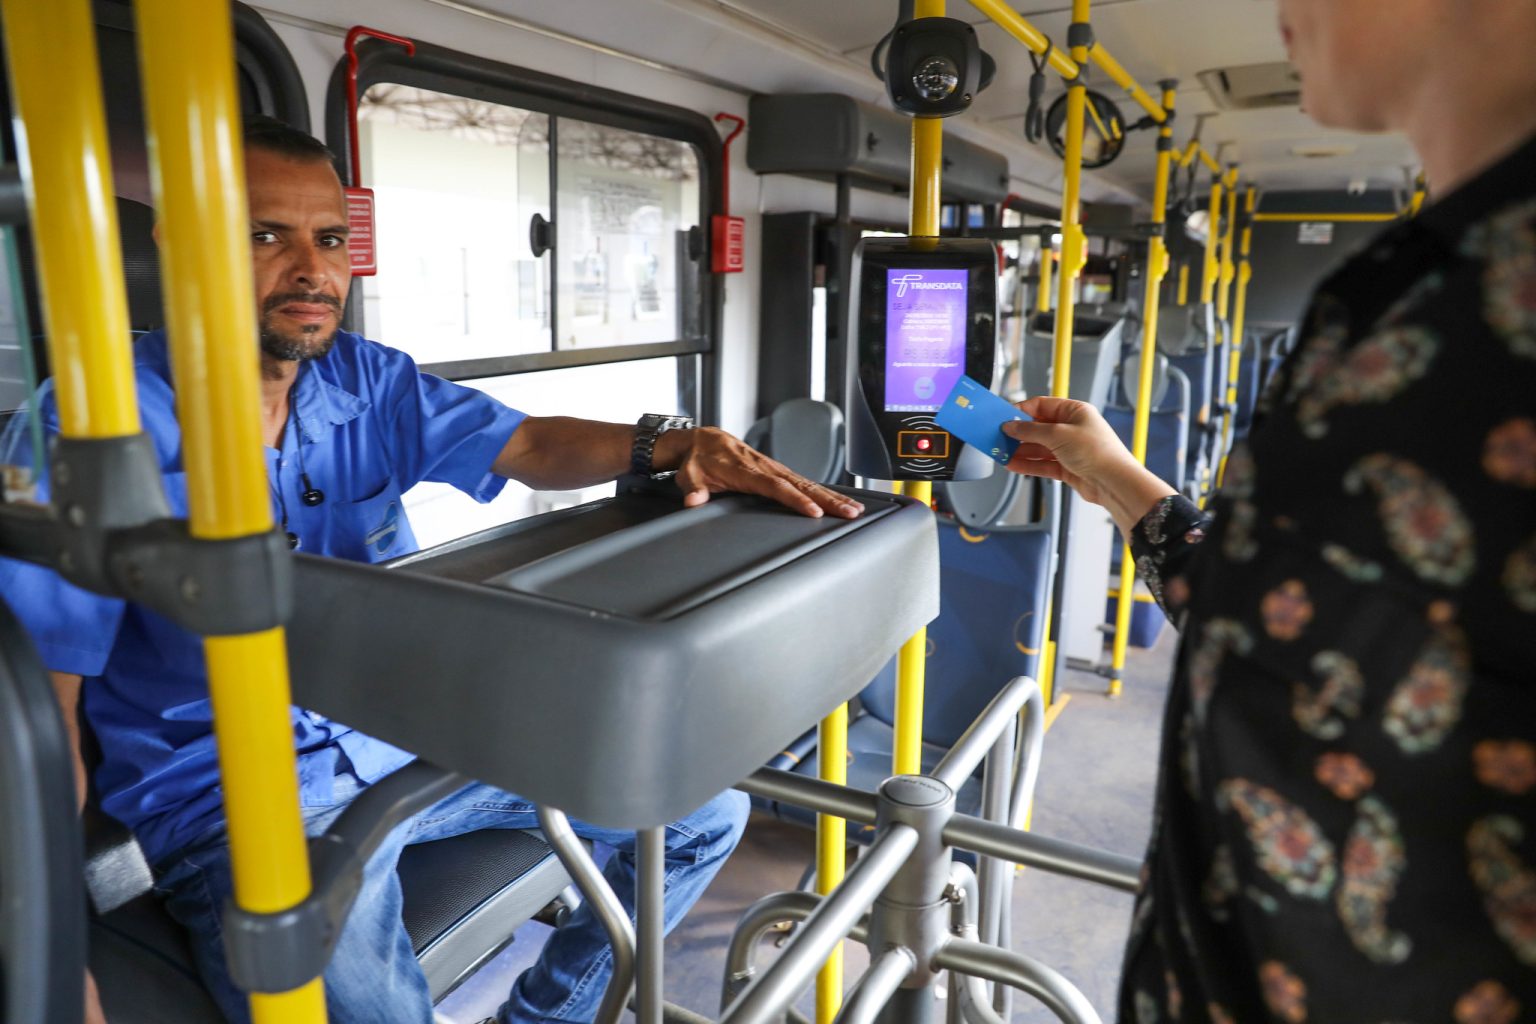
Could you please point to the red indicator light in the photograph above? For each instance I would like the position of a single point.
(923, 444)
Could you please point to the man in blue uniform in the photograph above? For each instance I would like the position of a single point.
(350, 426)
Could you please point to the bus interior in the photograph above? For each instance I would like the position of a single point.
(608, 208)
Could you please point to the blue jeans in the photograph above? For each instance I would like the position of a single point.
(373, 977)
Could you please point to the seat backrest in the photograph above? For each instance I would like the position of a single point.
(993, 581)
(1095, 352)
(994, 588)
(805, 435)
(42, 929)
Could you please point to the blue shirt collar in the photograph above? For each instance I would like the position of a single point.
(321, 403)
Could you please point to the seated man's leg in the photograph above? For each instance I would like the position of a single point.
(373, 975)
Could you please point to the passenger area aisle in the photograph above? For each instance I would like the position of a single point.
(1096, 785)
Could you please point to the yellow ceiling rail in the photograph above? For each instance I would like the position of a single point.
(1325, 218)
(1015, 25)
(1111, 67)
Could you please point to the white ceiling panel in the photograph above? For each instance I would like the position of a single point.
(805, 45)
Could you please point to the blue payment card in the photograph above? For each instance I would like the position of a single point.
(976, 416)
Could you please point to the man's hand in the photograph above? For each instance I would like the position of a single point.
(1069, 441)
(710, 461)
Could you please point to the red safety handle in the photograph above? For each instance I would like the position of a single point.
(353, 35)
(725, 185)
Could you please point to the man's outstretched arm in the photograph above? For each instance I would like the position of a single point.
(562, 453)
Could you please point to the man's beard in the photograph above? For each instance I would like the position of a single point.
(311, 341)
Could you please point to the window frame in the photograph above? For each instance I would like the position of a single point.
(449, 71)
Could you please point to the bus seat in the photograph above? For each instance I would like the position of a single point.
(805, 435)
(1249, 373)
(463, 897)
(1095, 354)
(994, 585)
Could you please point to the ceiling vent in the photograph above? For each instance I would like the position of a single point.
(1254, 86)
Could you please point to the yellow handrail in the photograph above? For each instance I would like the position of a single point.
(1239, 324)
(55, 78)
(1014, 24)
(1068, 67)
(1211, 268)
(1157, 269)
(1328, 218)
(199, 176)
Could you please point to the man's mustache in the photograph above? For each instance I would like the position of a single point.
(312, 298)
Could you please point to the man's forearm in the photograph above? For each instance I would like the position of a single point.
(557, 453)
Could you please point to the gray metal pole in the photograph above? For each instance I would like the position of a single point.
(1053, 855)
(875, 988)
(740, 955)
(610, 912)
(1000, 965)
(777, 987)
(826, 797)
(982, 734)
(650, 856)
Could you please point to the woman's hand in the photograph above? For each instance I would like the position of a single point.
(1069, 441)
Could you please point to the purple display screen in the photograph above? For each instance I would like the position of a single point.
(925, 319)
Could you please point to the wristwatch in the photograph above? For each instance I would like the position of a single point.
(651, 426)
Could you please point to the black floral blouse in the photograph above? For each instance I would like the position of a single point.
(1346, 819)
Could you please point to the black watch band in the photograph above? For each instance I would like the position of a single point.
(651, 426)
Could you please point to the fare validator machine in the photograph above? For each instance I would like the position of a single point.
(923, 313)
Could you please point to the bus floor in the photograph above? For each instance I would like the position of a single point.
(1096, 785)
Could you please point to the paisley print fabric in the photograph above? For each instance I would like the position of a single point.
(1508, 884)
(1426, 705)
(1375, 370)
(1345, 828)
(1423, 521)
(1520, 577)
(1287, 844)
(1323, 713)
(1373, 863)
(1510, 455)
(1508, 245)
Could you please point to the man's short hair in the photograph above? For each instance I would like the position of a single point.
(274, 136)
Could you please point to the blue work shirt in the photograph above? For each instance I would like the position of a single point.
(370, 426)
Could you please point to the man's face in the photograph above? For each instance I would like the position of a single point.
(299, 251)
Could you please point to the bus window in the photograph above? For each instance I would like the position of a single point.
(457, 182)
(625, 203)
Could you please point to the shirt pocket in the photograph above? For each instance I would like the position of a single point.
(374, 529)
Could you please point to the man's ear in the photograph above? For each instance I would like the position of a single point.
(154, 233)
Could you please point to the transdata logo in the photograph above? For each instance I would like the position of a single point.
(916, 282)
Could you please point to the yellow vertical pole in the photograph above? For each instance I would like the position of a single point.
(1184, 285)
(63, 136)
(831, 839)
(1239, 324)
(1043, 288)
(1157, 269)
(1211, 270)
(1074, 254)
(199, 179)
(1234, 342)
